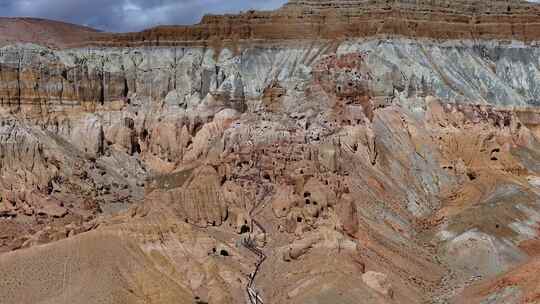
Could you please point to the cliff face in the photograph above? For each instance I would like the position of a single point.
(395, 169)
(306, 20)
(492, 73)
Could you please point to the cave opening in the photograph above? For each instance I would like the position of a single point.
(245, 229)
(136, 148)
(144, 134)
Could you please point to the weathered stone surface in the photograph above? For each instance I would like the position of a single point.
(379, 282)
(478, 19)
(369, 169)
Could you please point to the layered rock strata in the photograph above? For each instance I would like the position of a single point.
(308, 20)
(368, 170)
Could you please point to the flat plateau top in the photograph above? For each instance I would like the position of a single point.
(308, 19)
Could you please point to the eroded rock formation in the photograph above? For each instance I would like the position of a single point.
(236, 157)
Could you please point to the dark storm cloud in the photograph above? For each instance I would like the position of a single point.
(128, 15)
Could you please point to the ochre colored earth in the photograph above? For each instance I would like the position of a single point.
(325, 152)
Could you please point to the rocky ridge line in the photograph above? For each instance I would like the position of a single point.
(308, 20)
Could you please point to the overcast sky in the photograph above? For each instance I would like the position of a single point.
(128, 15)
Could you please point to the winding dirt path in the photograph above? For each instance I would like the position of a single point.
(251, 244)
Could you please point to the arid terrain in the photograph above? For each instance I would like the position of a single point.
(328, 152)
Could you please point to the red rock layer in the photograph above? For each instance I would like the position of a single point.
(299, 19)
(311, 19)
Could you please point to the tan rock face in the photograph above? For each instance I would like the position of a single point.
(373, 171)
(378, 281)
(200, 201)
